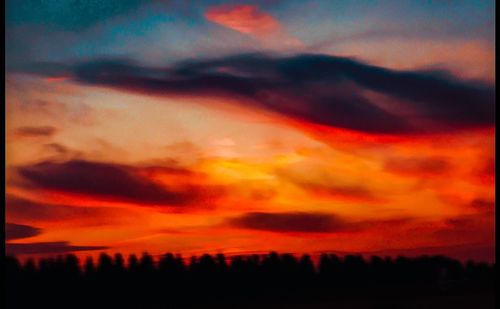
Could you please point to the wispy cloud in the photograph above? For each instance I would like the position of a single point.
(35, 131)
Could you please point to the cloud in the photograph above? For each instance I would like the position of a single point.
(354, 192)
(415, 166)
(303, 222)
(317, 89)
(483, 205)
(47, 247)
(479, 228)
(41, 131)
(247, 19)
(291, 222)
(320, 184)
(486, 172)
(18, 208)
(17, 231)
(59, 150)
(106, 181)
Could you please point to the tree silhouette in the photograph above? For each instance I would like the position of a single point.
(62, 282)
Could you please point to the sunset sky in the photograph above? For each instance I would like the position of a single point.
(250, 126)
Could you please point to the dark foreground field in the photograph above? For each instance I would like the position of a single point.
(257, 281)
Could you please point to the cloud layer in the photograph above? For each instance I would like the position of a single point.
(246, 19)
(47, 247)
(427, 166)
(309, 222)
(17, 231)
(107, 181)
(293, 222)
(33, 131)
(17, 208)
(319, 89)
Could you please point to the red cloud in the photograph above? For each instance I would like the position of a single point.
(114, 182)
(304, 222)
(424, 166)
(17, 231)
(246, 19)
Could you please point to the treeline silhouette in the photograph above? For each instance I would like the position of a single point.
(170, 282)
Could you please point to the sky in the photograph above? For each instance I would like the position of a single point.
(249, 126)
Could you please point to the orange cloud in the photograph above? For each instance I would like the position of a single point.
(334, 170)
(246, 19)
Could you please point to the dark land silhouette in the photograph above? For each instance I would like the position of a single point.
(254, 281)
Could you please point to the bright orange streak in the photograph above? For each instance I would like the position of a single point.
(246, 19)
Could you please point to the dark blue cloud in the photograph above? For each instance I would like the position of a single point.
(320, 89)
